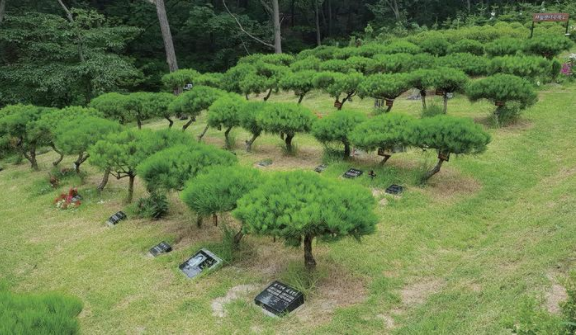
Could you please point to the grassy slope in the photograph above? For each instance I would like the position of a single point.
(455, 257)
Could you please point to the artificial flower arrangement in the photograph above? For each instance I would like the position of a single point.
(70, 200)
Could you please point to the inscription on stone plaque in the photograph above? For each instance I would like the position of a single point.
(160, 248)
(279, 299)
(114, 219)
(202, 261)
(395, 189)
(353, 173)
(321, 168)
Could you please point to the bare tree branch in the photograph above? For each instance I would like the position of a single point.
(68, 13)
(266, 6)
(2, 10)
(244, 30)
(78, 34)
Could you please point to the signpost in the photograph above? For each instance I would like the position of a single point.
(550, 17)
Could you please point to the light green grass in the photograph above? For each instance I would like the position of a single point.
(485, 234)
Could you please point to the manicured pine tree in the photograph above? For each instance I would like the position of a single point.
(301, 206)
(224, 113)
(338, 127)
(384, 87)
(448, 81)
(193, 102)
(218, 190)
(389, 132)
(248, 119)
(287, 119)
(301, 83)
(449, 136)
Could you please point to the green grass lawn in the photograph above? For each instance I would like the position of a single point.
(458, 256)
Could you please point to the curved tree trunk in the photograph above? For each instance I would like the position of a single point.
(309, 261)
(227, 138)
(268, 95)
(171, 123)
(187, 124)
(215, 219)
(139, 122)
(104, 181)
(31, 157)
(288, 141)
(301, 98)
(386, 158)
(203, 133)
(199, 221)
(445, 103)
(59, 160)
(432, 172)
(81, 159)
(345, 99)
(250, 142)
(238, 238)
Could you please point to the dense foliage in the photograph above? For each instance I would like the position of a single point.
(336, 127)
(286, 119)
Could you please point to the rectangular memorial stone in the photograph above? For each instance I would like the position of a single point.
(395, 189)
(353, 173)
(321, 168)
(201, 261)
(264, 163)
(160, 248)
(114, 219)
(279, 299)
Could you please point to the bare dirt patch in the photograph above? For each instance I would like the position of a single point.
(237, 292)
(449, 185)
(418, 292)
(555, 295)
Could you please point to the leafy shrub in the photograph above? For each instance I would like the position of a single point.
(153, 207)
(467, 46)
(384, 86)
(335, 65)
(504, 47)
(41, 314)
(235, 75)
(309, 63)
(435, 45)
(342, 85)
(247, 117)
(390, 63)
(193, 102)
(224, 113)
(360, 64)
(402, 47)
(209, 79)
(300, 82)
(178, 79)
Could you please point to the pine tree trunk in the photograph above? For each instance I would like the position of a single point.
(185, 126)
(203, 133)
(445, 103)
(277, 27)
(346, 149)
(432, 172)
(199, 221)
(59, 160)
(301, 98)
(2, 10)
(31, 157)
(104, 181)
(309, 261)
(250, 142)
(386, 158)
(171, 123)
(227, 138)
(131, 188)
(317, 19)
(139, 122)
(268, 95)
(288, 141)
(423, 97)
(238, 238)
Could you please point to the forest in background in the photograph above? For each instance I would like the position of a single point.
(63, 52)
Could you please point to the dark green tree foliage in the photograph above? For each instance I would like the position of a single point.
(467, 46)
(157, 105)
(371, 49)
(471, 65)
(384, 87)
(41, 314)
(266, 78)
(324, 79)
(393, 63)
(142, 106)
(214, 80)
(337, 127)
(278, 59)
(218, 190)
(345, 85)
(193, 102)
(548, 46)
(420, 61)
(50, 61)
(75, 136)
(300, 206)
(50, 120)
(449, 135)
(19, 126)
(120, 153)
(532, 67)
(176, 80)
(309, 63)
(389, 132)
(248, 119)
(171, 168)
(504, 46)
(335, 65)
(300, 83)
(402, 47)
(422, 80)
(448, 80)
(236, 75)
(287, 119)
(112, 105)
(435, 45)
(225, 113)
(503, 89)
(360, 64)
